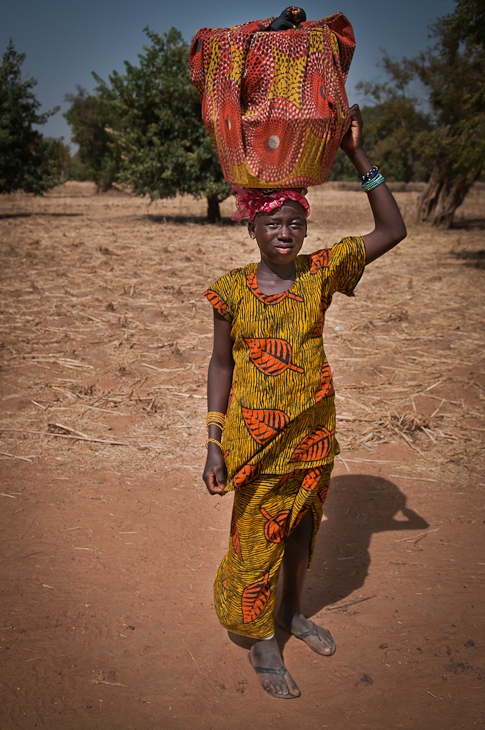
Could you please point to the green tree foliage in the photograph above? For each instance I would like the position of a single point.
(27, 160)
(444, 143)
(393, 123)
(164, 146)
(91, 119)
(56, 158)
(342, 168)
(453, 73)
(390, 127)
(77, 169)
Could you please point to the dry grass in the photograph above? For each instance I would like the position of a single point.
(106, 337)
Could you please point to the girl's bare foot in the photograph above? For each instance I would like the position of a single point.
(266, 660)
(318, 639)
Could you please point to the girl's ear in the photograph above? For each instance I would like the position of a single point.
(251, 229)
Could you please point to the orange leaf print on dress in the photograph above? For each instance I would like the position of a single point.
(271, 356)
(254, 599)
(326, 383)
(286, 477)
(246, 475)
(268, 298)
(316, 445)
(264, 424)
(319, 259)
(217, 302)
(276, 527)
(311, 479)
(322, 493)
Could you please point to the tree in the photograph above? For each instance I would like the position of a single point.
(163, 144)
(444, 142)
(56, 158)
(390, 126)
(452, 72)
(393, 122)
(27, 161)
(90, 117)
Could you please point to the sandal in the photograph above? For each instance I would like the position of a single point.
(313, 632)
(269, 670)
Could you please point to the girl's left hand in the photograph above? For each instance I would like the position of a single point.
(215, 473)
(352, 140)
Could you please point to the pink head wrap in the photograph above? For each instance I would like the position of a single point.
(250, 201)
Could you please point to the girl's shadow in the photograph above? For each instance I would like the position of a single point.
(357, 506)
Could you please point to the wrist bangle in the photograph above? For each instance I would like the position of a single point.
(216, 418)
(373, 172)
(374, 182)
(214, 441)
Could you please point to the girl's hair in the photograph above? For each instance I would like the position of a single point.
(251, 201)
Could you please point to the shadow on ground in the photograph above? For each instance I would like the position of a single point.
(199, 220)
(473, 258)
(37, 214)
(469, 224)
(357, 507)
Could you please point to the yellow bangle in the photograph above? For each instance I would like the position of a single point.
(214, 441)
(215, 418)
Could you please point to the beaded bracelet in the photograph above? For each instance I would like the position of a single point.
(214, 441)
(373, 172)
(374, 182)
(216, 418)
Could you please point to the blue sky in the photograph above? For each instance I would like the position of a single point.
(65, 41)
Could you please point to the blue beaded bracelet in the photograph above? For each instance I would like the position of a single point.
(373, 172)
(374, 182)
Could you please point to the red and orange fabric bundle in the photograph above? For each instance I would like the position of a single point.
(274, 102)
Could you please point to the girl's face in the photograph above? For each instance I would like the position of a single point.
(280, 234)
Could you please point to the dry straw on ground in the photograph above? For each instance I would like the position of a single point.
(106, 336)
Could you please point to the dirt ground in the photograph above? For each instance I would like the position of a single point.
(109, 540)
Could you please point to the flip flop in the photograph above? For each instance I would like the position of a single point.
(313, 632)
(269, 670)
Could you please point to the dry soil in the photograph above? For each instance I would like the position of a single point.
(110, 541)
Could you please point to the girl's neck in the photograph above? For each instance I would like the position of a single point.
(273, 278)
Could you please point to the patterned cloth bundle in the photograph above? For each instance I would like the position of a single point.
(274, 102)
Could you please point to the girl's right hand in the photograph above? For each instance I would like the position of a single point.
(215, 472)
(352, 140)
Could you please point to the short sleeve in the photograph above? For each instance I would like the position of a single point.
(341, 266)
(219, 295)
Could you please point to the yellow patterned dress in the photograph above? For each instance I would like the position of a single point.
(279, 439)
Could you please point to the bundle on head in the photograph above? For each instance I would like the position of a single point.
(289, 19)
(274, 101)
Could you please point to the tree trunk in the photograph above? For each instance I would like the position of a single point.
(103, 184)
(441, 197)
(213, 210)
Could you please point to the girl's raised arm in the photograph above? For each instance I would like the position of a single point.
(389, 225)
(219, 382)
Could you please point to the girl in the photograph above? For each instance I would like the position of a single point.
(276, 445)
